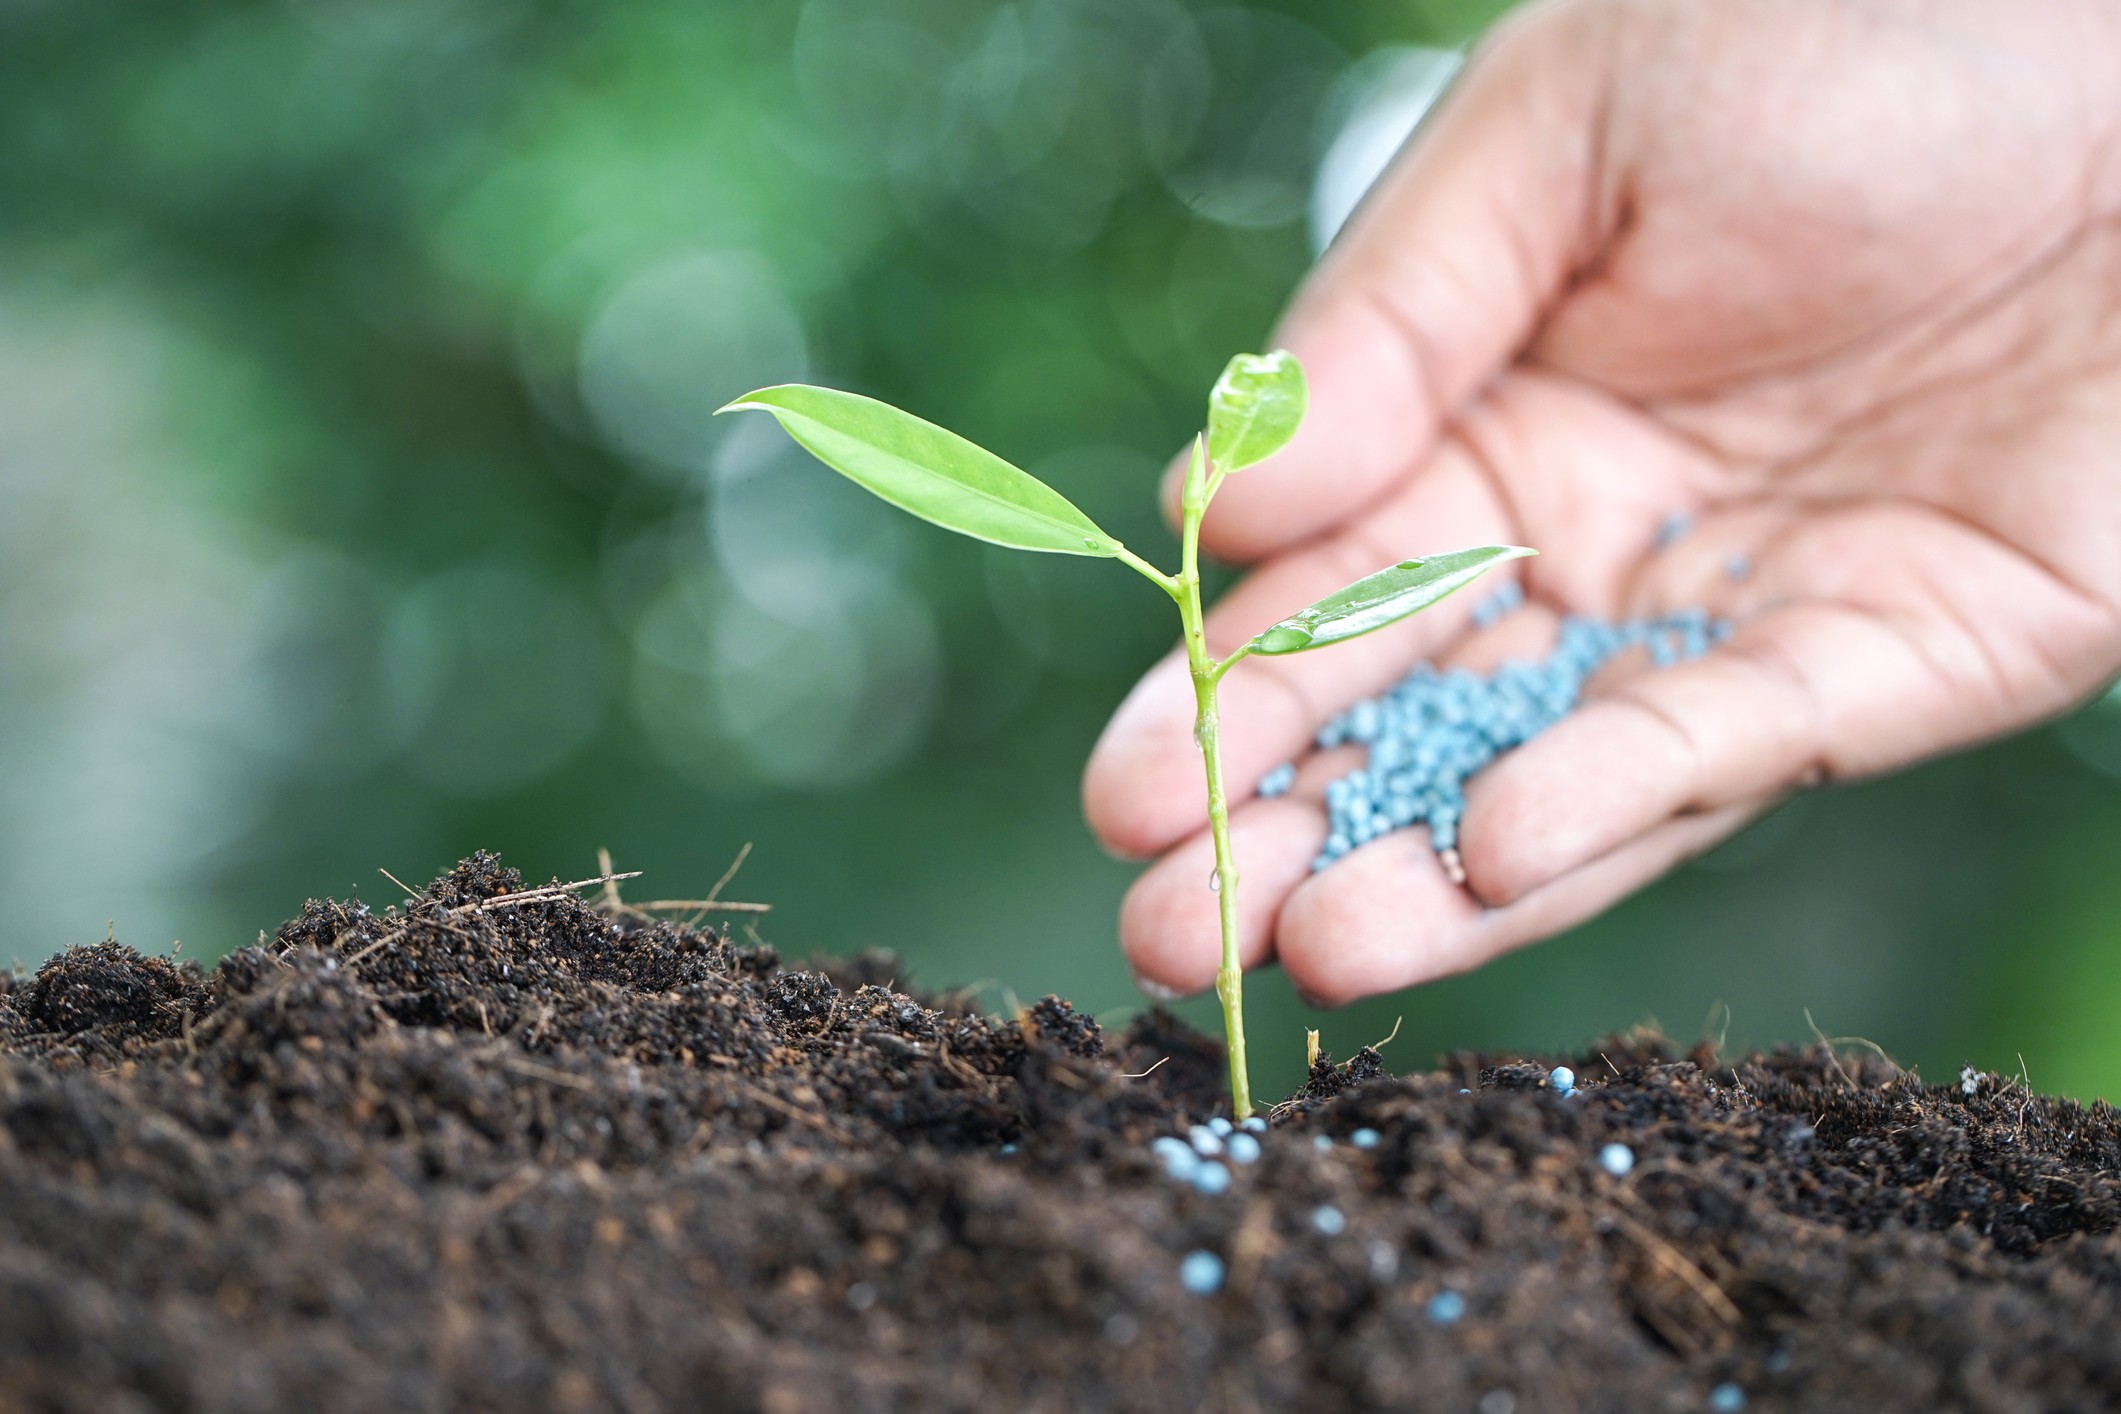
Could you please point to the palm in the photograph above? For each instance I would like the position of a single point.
(1878, 375)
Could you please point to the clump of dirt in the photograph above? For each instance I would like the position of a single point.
(113, 992)
(504, 1149)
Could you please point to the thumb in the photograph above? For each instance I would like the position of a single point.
(1441, 277)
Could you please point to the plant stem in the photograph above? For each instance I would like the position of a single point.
(1229, 978)
(1148, 571)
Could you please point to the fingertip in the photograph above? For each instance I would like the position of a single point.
(1138, 771)
(1156, 991)
(1170, 942)
(1144, 788)
(1570, 795)
(1496, 841)
(1586, 892)
(1170, 923)
(1381, 918)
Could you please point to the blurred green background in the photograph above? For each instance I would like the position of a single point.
(359, 507)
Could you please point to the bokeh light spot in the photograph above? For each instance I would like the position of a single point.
(497, 675)
(675, 342)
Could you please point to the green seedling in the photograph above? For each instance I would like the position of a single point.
(1253, 411)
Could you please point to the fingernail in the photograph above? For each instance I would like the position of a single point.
(1157, 991)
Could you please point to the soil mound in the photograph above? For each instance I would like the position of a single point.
(504, 1149)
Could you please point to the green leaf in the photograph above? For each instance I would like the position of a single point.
(1254, 409)
(934, 473)
(1382, 598)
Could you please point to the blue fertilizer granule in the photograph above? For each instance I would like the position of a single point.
(1329, 1220)
(1201, 1273)
(1446, 1308)
(1435, 729)
(1211, 1178)
(1179, 1160)
(1727, 1399)
(1244, 1149)
(1364, 1138)
(1617, 1160)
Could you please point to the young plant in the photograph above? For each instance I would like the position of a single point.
(1252, 413)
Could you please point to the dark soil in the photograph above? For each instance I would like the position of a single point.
(505, 1151)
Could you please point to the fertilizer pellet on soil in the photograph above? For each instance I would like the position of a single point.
(1179, 1160)
(1212, 1178)
(1201, 1273)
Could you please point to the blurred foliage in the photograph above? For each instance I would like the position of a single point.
(358, 502)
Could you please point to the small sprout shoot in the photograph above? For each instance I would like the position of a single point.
(1254, 410)
(1310, 1050)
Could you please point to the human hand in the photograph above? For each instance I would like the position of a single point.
(1840, 281)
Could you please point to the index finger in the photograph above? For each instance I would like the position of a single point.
(1435, 284)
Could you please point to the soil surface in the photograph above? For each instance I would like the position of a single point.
(509, 1148)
